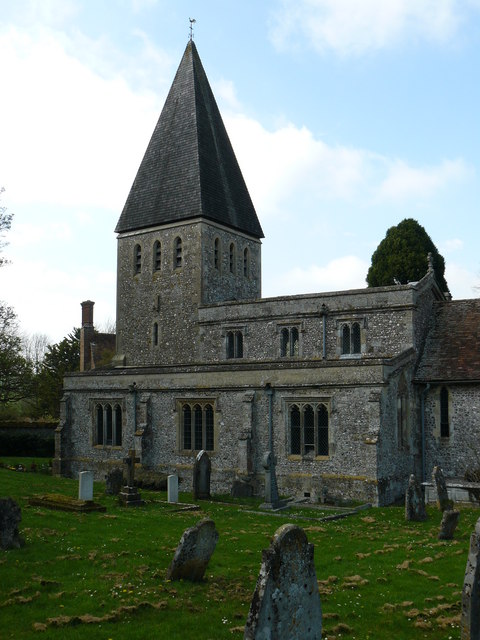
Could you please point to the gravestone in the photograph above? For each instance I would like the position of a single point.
(114, 482)
(202, 470)
(470, 618)
(194, 552)
(286, 602)
(172, 488)
(414, 501)
(448, 524)
(85, 486)
(10, 517)
(443, 501)
(129, 496)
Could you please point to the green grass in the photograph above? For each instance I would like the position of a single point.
(102, 575)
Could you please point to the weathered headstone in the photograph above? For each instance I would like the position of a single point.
(201, 476)
(172, 488)
(194, 552)
(470, 618)
(286, 602)
(10, 517)
(414, 501)
(241, 489)
(114, 482)
(448, 524)
(85, 485)
(443, 501)
(129, 496)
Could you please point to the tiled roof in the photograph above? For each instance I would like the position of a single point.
(452, 349)
(189, 169)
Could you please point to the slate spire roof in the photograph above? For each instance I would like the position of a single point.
(189, 169)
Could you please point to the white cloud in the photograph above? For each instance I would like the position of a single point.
(449, 246)
(463, 282)
(347, 272)
(351, 27)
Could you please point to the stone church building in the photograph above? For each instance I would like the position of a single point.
(359, 388)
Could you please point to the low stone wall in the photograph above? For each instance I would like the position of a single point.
(458, 490)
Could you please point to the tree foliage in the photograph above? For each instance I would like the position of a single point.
(59, 359)
(16, 375)
(402, 256)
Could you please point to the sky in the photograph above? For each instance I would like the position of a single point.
(346, 117)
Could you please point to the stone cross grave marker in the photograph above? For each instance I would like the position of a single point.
(172, 488)
(470, 618)
(286, 602)
(85, 486)
(194, 552)
(443, 501)
(130, 461)
(201, 476)
(130, 496)
(414, 501)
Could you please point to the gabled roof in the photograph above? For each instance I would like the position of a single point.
(452, 349)
(189, 169)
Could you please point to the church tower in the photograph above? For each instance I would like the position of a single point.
(188, 234)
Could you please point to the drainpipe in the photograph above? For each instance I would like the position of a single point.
(422, 411)
(323, 313)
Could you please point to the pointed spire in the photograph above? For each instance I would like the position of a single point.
(189, 169)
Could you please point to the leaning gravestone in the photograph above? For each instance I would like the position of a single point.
(443, 501)
(448, 524)
(286, 602)
(470, 619)
(414, 501)
(201, 476)
(194, 552)
(10, 517)
(114, 482)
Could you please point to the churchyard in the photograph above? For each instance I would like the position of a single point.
(104, 574)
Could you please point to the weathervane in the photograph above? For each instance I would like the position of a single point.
(192, 22)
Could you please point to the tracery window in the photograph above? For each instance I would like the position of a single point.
(108, 425)
(197, 428)
(234, 344)
(308, 428)
(444, 413)
(289, 342)
(157, 256)
(137, 259)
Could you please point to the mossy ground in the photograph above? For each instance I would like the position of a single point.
(102, 575)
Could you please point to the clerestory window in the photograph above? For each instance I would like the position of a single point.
(309, 429)
(289, 342)
(234, 344)
(351, 342)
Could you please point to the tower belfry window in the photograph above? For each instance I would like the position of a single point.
(231, 256)
(137, 264)
(246, 263)
(157, 256)
(178, 253)
(216, 253)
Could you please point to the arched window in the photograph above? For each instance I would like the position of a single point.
(345, 339)
(178, 253)
(231, 258)
(155, 334)
(216, 253)
(234, 344)
(444, 417)
(99, 423)
(322, 426)
(157, 256)
(356, 343)
(137, 259)
(246, 263)
(309, 429)
(200, 434)
(295, 439)
(187, 427)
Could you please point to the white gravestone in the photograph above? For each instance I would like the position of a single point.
(172, 488)
(85, 485)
